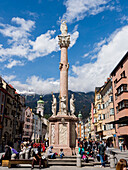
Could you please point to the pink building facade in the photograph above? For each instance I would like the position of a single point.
(120, 95)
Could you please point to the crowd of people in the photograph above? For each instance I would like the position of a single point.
(87, 149)
(20, 147)
(93, 149)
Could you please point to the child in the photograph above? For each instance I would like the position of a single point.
(85, 158)
(61, 153)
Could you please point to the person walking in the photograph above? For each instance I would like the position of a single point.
(120, 145)
(101, 150)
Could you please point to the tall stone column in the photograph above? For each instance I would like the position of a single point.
(64, 41)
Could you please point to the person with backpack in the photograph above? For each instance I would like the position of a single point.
(101, 150)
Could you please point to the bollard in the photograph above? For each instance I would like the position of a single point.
(13, 156)
(112, 161)
(78, 160)
(26, 154)
(21, 155)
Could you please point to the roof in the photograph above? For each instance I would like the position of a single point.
(16, 92)
(121, 62)
(11, 86)
(107, 85)
(97, 88)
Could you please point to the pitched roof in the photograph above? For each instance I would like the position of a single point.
(120, 63)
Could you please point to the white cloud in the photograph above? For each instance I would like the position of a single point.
(34, 84)
(74, 37)
(90, 75)
(85, 55)
(124, 18)
(13, 63)
(77, 9)
(20, 45)
(9, 78)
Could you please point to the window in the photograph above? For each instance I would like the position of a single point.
(104, 127)
(102, 106)
(115, 82)
(121, 88)
(123, 104)
(98, 96)
(27, 120)
(103, 116)
(98, 106)
(99, 117)
(110, 99)
(112, 126)
(27, 126)
(27, 133)
(112, 111)
(94, 111)
(123, 74)
(95, 120)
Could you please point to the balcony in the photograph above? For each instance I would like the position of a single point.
(122, 80)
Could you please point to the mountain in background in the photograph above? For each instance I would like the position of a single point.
(82, 103)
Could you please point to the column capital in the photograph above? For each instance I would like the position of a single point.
(64, 41)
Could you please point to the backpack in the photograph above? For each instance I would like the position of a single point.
(101, 149)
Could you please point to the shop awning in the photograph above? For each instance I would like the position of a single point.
(109, 136)
(122, 120)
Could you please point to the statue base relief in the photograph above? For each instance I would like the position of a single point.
(63, 133)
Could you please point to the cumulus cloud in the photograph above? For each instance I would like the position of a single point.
(20, 44)
(77, 9)
(94, 74)
(13, 63)
(9, 78)
(88, 76)
(34, 84)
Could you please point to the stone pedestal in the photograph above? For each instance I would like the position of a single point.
(62, 134)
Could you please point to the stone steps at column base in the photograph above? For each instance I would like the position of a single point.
(55, 163)
(68, 159)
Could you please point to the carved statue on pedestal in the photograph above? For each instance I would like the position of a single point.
(63, 28)
(54, 105)
(63, 105)
(72, 105)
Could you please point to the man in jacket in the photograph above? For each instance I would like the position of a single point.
(101, 149)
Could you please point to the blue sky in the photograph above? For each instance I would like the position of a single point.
(29, 51)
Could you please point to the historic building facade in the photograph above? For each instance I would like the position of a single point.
(12, 107)
(108, 113)
(120, 95)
